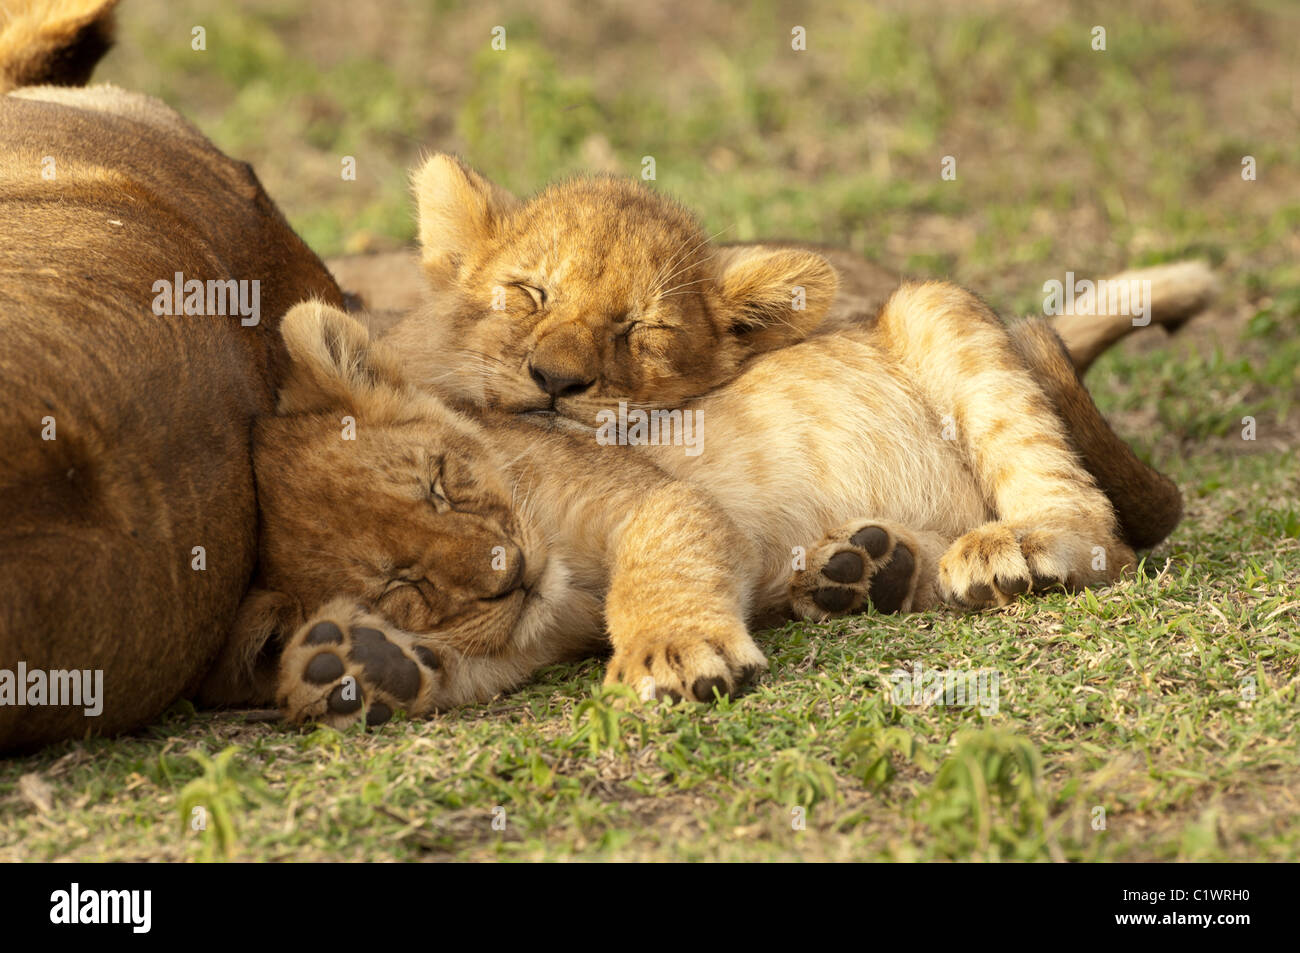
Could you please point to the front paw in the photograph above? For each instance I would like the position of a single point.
(689, 665)
(996, 562)
(345, 664)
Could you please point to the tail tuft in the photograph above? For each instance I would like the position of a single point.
(54, 42)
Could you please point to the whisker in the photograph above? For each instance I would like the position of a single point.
(675, 289)
(660, 283)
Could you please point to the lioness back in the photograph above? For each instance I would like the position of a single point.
(127, 514)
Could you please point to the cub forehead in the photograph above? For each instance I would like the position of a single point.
(605, 218)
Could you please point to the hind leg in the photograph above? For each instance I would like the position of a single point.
(867, 563)
(1147, 504)
(966, 366)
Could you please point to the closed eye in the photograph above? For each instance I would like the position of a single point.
(537, 295)
(626, 332)
(438, 495)
(416, 582)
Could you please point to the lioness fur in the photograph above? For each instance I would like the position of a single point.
(126, 434)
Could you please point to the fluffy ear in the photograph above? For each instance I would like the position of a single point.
(458, 209)
(245, 671)
(333, 362)
(774, 297)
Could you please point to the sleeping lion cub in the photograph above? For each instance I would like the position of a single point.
(598, 293)
(601, 289)
(415, 557)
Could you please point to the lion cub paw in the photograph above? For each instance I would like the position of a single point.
(996, 562)
(687, 666)
(862, 564)
(344, 665)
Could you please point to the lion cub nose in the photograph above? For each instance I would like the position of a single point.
(557, 383)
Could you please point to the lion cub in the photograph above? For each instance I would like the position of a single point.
(593, 291)
(934, 423)
(952, 459)
(429, 558)
(416, 557)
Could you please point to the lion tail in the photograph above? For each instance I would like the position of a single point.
(1177, 291)
(55, 42)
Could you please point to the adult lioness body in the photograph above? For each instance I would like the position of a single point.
(127, 515)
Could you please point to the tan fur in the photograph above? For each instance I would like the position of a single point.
(152, 414)
(673, 569)
(1147, 504)
(588, 543)
(1179, 291)
(990, 386)
(601, 289)
(922, 437)
(579, 301)
(853, 426)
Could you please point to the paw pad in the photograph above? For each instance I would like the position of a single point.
(386, 666)
(324, 668)
(324, 633)
(873, 539)
(333, 672)
(871, 567)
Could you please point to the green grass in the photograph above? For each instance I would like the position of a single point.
(1168, 701)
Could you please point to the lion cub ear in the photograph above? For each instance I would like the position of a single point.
(774, 297)
(458, 210)
(333, 362)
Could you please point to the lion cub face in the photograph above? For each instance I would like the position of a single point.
(593, 291)
(432, 539)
